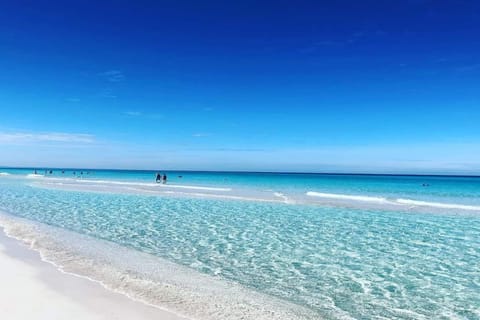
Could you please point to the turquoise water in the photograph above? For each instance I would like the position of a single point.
(354, 252)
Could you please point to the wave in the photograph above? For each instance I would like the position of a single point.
(438, 204)
(337, 196)
(4, 174)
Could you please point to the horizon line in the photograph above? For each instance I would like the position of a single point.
(258, 172)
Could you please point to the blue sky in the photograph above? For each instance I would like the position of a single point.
(362, 86)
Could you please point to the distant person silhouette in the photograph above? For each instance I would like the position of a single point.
(164, 179)
(158, 178)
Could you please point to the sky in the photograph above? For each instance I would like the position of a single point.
(310, 86)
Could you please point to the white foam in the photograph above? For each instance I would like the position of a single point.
(397, 202)
(34, 175)
(4, 174)
(346, 197)
(284, 197)
(438, 204)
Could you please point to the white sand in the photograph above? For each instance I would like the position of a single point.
(32, 289)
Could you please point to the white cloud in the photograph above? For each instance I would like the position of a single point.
(60, 137)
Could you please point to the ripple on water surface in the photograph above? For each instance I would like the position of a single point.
(332, 263)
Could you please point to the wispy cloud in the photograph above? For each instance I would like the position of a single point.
(113, 75)
(201, 134)
(140, 114)
(132, 113)
(59, 137)
(108, 93)
(239, 149)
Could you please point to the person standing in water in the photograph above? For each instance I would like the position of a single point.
(158, 178)
(164, 178)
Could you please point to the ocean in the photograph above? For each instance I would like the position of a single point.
(223, 245)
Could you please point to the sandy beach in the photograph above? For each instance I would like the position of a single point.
(35, 289)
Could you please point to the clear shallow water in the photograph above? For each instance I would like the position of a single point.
(333, 262)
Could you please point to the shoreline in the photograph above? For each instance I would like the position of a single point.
(158, 289)
(36, 289)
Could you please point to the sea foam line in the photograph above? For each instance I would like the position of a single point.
(399, 201)
(438, 204)
(345, 197)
